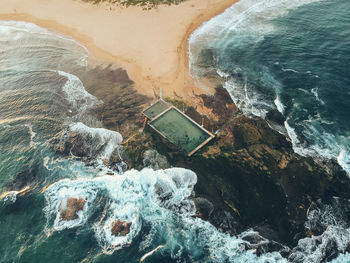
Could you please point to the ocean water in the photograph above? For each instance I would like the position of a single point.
(287, 61)
(41, 97)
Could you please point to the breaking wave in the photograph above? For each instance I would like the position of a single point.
(158, 204)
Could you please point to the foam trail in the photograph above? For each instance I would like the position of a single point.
(344, 160)
(279, 104)
(32, 135)
(315, 92)
(290, 70)
(150, 253)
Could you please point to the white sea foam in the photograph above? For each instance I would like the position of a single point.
(32, 135)
(289, 70)
(248, 103)
(158, 199)
(79, 99)
(315, 92)
(8, 27)
(291, 133)
(148, 254)
(107, 138)
(327, 146)
(14, 27)
(342, 258)
(248, 18)
(57, 196)
(313, 249)
(324, 216)
(344, 159)
(279, 104)
(17, 32)
(11, 196)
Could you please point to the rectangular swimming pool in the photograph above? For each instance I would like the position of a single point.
(156, 109)
(180, 130)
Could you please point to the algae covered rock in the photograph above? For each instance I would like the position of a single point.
(120, 228)
(69, 210)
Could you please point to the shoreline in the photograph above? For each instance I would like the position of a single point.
(153, 44)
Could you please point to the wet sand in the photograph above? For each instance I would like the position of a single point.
(152, 45)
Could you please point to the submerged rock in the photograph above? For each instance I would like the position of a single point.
(71, 208)
(89, 143)
(204, 207)
(154, 160)
(120, 228)
(261, 245)
(324, 213)
(322, 248)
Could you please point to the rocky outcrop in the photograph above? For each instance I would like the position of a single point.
(262, 245)
(73, 205)
(322, 248)
(204, 207)
(120, 228)
(75, 143)
(248, 175)
(92, 144)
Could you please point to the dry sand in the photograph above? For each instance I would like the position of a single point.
(151, 45)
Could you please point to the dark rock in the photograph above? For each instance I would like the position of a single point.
(347, 249)
(262, 245)
(154, 160)
(225, 221)
(267, 232)
(321, 248)
(323, 213)
(249, 173)
(331, 251)
(340, 180)
(204, 207)
(276, 117)
(120, 228)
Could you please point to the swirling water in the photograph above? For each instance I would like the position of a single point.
(286, 56)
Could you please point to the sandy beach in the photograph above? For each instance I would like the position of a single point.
(151, 45)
